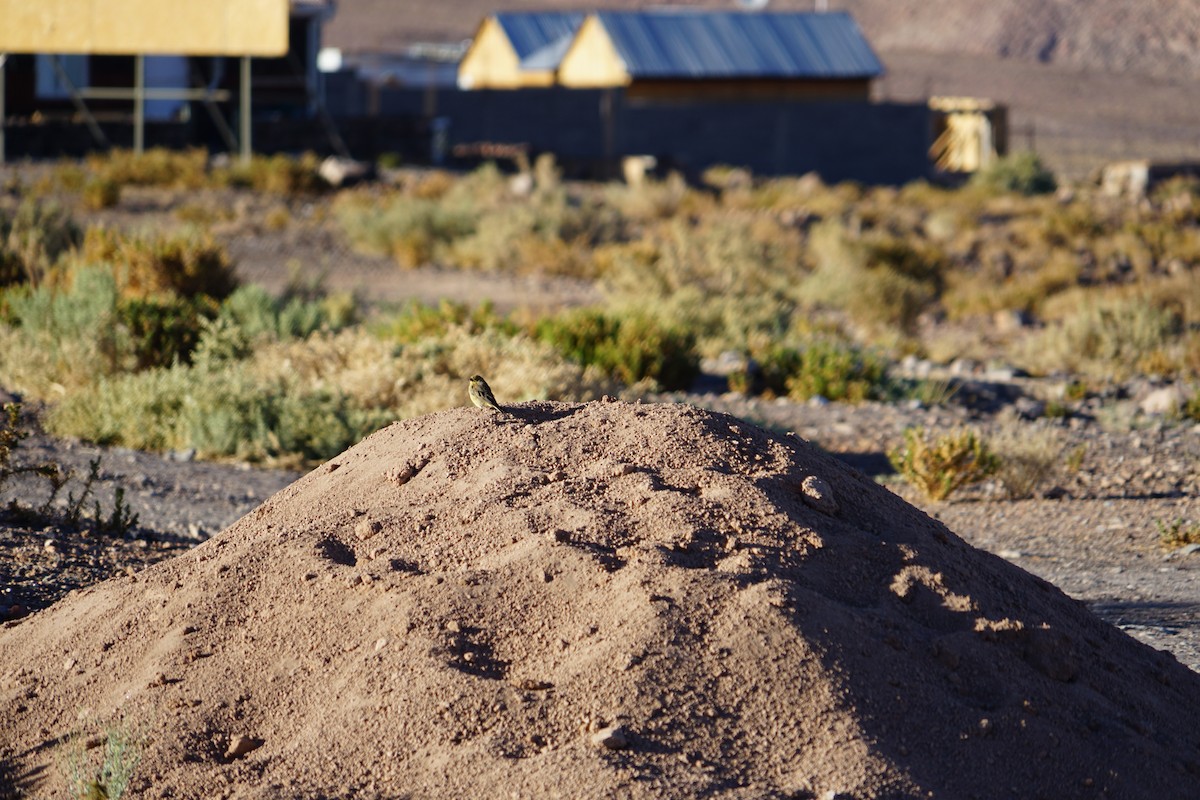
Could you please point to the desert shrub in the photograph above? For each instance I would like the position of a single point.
(57, 339)
(416, 321)
(108, 774)
(1177, 533)
(294, 401)
(730, 280)
(1027, 456)
(163, 330)
(64, 337)
(100, 192)
(1110, 338)
(225, 412)
(630, 348)
(824, 368)
(32, 239)
(877, 280)
(409, 229)
(157, 166)
(278, 174)
(189, 264)
(1022, 173)
(258, 314)
(652, 199)
(940, 465)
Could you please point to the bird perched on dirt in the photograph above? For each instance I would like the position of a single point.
(481, 394)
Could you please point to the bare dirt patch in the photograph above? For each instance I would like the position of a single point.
(607, 598)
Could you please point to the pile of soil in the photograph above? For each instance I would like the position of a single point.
(593, 600)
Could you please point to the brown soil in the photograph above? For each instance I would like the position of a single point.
(469, 604)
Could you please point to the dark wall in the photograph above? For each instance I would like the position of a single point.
(869, 142)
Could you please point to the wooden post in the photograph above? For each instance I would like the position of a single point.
(139, 103)
(244, 97)
(3, 113)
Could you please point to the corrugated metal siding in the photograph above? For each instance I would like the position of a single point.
(531, 32)
(702, 44)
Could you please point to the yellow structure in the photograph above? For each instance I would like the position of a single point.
(592, 61)
(124, 27)
(970, 133)
(491, 62)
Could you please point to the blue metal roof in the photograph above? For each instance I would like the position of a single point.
(540, 33)
(730, 44)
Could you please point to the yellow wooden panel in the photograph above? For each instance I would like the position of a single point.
(592, 61)
(490, 62)
(212, 27)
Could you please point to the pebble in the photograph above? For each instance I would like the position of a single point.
(613, 737)
(240, 745)
(367, 528)
(818, 494)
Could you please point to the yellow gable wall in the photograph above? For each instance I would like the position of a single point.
(592, 60)
(490, 61)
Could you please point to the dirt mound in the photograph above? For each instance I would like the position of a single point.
(595, 600)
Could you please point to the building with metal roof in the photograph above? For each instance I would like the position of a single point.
(514, 50)
(677, 52)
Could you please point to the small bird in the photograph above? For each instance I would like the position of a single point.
(481, 394)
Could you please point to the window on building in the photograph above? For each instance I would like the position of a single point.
(50, 85)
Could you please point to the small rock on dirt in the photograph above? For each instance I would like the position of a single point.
(818, 494)
(240, 745)
(613, 737)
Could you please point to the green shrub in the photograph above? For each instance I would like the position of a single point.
(1113, 338)
(879, 280)
(100, 193)
(32, 239)
(938, 466)
(256, 313)
(630, 348)
(162, 331)
(278, 174)
(222, 413)
(416, 321)
(822, 368)
(187, 264)
(158, 166)
(1022, 173)
(1027, 456)
(409, 229)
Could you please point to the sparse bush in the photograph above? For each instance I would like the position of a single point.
(1022, 173)
(109, 779)
(417, 321)
(880, 281)
(187, 264)
(940, 465)
(1106, 339)
(409, 229)
(731, 281)
(630, 348)
(257, 314)
(823, 368)
(162, 331)
(33, 239)
(100, 193)
(1028, 455)
(278, 174)
(157, 166)
(1177, 533)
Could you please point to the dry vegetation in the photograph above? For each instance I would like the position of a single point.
(147, 340)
